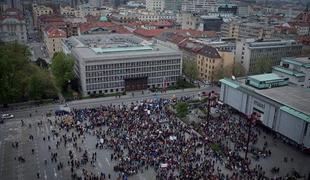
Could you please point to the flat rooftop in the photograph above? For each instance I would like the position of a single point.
(109, 46)
(291, 96)
(266, 77)
(300, 61)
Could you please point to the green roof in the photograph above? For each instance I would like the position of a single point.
(122, 49)
(297, 62)
(266, 77)
(296, 113)
(230, 83)
(288, 71)
(103, 19)
(292, 62)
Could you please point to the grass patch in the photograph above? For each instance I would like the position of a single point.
(216, 148)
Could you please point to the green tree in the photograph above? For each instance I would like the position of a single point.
(182, 109)
(62, 68)
(238, 70)
(41, 85)
(19, 79)
(262, 66)
(190, 69)
(14, 74)
(228, 71)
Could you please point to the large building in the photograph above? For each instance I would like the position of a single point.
(297, 70)
(173, 5)
(250, 51)
(155, 5)
(283, 108)
(241, 29)
(122, 62)
(39, 10)
(199, 5)
(13, 26)
(52, 40)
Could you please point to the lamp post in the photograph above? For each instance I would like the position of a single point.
(252, 119)
(211, 102)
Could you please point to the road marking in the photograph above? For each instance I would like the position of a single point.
(141, 177)
(45, 176)
(108, 161)
(55, 174)
(100, 165)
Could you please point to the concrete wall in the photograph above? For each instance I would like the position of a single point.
(280, 121)
(290, 126)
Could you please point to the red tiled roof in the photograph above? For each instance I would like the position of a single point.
(191, 46)
(176, 39)
(91, 18)
(161, 23)
(136, 23)
(46, 18)
(53, 32)
(304, 39)
(108, 25)
(209, 51)
(148, 33)
(89, 25)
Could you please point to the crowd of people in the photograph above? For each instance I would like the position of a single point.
(148, 135)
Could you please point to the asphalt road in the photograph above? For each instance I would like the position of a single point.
(12, 131)
(43, 109)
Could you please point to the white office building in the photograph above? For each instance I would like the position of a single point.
(283, 108)
(250, 51)
(112, 63)
(296, 69)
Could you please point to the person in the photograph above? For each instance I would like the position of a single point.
(32, 151)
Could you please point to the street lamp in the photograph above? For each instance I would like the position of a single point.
(211, 102)
(252, 120)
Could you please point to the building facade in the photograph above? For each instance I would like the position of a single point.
(52, 40)
(13, 26)
(239, 29)
(190, 20)
(39, 10)
(208, 61)
(297, 70)
(155, 5)
(250, 51)
(283, 108)
(122, 62)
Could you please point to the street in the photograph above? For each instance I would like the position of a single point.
(12, 131)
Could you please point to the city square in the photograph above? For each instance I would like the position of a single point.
(140, 138)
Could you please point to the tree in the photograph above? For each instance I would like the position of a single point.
(14, 74)
(228, 71)
(262, 66)
(182, 109)
(62, 68)
(190, 69)
(238, 70)
(41, 85)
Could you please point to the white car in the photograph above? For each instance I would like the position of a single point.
(7, 116)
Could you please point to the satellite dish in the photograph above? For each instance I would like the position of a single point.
(233, 77)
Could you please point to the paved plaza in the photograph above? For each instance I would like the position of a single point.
(27, 145)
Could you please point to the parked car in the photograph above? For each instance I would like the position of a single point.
(7, 116)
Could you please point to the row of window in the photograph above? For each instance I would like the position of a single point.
(122, 84)
(122, 89)
(145, 70)
(120, 78)
(132, 64)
